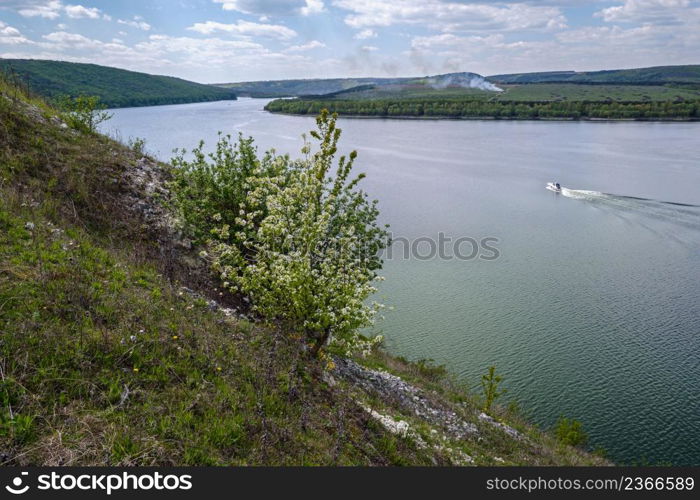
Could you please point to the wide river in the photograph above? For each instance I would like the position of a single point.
(591, 308)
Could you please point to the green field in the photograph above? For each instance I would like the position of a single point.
(582, 92)
(539, 92)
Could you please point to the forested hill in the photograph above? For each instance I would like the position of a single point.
(294, 88)
(115, 87)
(649, 76)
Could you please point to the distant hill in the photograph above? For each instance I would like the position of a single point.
(115, 87)
(294, 88)
(317, 87)
(640, 76)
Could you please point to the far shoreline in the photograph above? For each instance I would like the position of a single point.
(497, 118)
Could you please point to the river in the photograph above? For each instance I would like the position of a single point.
(588, 302)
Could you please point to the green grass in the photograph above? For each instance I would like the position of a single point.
(106, 362)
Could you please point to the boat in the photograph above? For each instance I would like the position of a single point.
(554, 186)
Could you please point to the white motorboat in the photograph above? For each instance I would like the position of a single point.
(554, 186)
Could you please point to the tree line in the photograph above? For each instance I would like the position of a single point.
(475, 108)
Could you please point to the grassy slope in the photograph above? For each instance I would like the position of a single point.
(657, 74)
(115, 87)
(104, 360)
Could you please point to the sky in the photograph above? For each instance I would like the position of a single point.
(216, 41)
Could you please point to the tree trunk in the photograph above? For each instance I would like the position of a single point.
(320, 342)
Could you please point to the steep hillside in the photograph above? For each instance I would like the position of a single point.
(116, 347)
(115, 87)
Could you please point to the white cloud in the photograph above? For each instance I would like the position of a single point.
(365, 34)
(314, 44)
(653, 11)
(428, 37)
(64, 39)
(79, 12)
(245, 28)
(584, 49)
(452, 16)
(136, 22)
(312, 7)
(272, 7)
(10, 35)
(48, 10)
(454, 42)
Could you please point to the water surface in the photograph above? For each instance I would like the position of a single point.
(592, 309)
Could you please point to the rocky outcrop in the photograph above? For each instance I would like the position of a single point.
(408, 397)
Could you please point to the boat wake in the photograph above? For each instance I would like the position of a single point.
(683, 214)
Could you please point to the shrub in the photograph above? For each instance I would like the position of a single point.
(299, 238)
(210, 188)
(83, 113)
(570, 432)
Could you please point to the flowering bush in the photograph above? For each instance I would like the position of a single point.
(210, 188)
(304, 241)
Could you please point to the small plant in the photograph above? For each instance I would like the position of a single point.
(138, 144)
(22, 428)
(489, 384)
(83, 113)
(570, 432)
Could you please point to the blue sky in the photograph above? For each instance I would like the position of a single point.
(237, 40)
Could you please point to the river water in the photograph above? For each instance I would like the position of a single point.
(591, 306)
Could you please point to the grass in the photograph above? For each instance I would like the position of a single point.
(105, 360)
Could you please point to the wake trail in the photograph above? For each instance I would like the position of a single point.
(683, 214)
